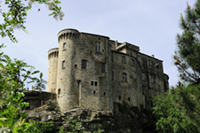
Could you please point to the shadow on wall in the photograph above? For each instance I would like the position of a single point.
(37, 99)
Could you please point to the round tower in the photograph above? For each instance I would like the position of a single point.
(52, 71)
(66, 95)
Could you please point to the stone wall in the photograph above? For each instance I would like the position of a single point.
(37, 99)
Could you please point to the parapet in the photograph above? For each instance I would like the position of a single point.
(67, 34)
(53, 52)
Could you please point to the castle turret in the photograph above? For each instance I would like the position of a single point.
(52, 72)
(66, 95)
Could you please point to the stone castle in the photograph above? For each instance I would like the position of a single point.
(91, 71)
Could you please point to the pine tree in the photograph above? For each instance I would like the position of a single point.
(187, 57)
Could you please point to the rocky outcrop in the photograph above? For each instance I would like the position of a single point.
(123, 119)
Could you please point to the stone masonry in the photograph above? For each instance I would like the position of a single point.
(91, 71)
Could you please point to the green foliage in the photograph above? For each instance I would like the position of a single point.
(179, 110)
(44, 127)
(187, 57)
(17, 13)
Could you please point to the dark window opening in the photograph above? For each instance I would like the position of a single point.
(124, 77)
(129, 99)
(75, 66)
(91, 82)
(59, 91)
(104, 93)
(90, 52)
(63, 65)
(123, 59)
(84, 64)
(112, 75)
(103, 67)
(95, 83)
(157, 65)
(94, 92)
(119, 97)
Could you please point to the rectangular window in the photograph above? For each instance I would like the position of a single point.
(64, 45)
(95, 83)
(91, 82)
(103, 65)
(123, 59)
(143, 76)
(124, 77)
(63, 65)
(98, 46)
(84, 64)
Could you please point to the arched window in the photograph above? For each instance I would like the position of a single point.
(124, 77)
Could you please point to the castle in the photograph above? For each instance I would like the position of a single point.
(91, 71)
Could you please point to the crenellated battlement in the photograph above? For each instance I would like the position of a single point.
(67, 34)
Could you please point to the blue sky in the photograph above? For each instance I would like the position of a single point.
(150, 24)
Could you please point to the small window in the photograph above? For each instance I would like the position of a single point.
(94, 92)
(98, 46)
(103, 67)
(132, 62)
(129, 99)
(95, 83)
(123, 59)
(59, 91)
(92, 83)
(64, 45)
(112, 75)
(84, 64)
(149, 62)
(75, 66)
(104, 93)
(124, 77)
(63, 65)
(119, 97)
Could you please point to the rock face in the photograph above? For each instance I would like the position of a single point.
(122, 120)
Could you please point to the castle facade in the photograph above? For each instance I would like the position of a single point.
(91, 71)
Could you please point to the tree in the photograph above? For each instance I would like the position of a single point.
(179, 110)
(13, 73)
(187, 57)
(16, 15)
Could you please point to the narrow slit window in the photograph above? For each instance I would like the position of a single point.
(104, 93)
(92, 83)
(94, 92)
(129, 99)
(63, 65)
(84, 64)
